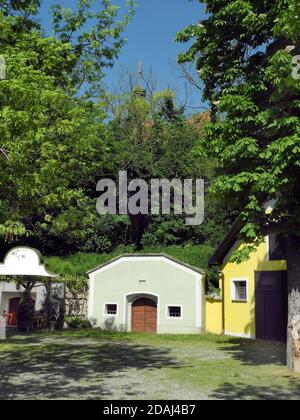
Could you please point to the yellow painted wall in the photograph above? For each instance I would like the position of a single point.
(213, 316)
(240, 317)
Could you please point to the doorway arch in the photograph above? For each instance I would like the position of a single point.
(144, 316)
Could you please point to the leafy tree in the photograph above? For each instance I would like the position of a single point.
(88, 51)
(95, 48)
(105, 234)
(24, 12)
(152, 138)
(53, 143)
(244, 52)
(50, 146)
(25, 316)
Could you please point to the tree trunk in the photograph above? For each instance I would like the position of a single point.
(139, 224)
(293, 340)
(25, 317)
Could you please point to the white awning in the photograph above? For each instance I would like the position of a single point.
(23, 261)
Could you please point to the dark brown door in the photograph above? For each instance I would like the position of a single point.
(144, 316)
(271, 301)
(13, 311)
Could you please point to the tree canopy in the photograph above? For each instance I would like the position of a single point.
(53, 141)
(244, 54)
(60, 134)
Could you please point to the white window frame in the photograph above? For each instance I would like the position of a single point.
(176, 306)
(105, 309)
(233, 290)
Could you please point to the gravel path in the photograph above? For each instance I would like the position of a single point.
(96, 367)
(60, 368)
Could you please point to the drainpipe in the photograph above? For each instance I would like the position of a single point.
(221, 275)
(223, 303)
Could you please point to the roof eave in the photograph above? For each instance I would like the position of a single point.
(196, 269)
(227, 243)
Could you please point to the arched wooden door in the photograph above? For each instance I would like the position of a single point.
(13, 310)
(144, 316)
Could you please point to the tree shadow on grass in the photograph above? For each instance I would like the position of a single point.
(255, 353)
(251, 392)
(61, 369)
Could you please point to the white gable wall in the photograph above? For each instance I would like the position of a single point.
(158, 278)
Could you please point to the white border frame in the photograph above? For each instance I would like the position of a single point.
(232, 290)
(176, 306)
(105, 304)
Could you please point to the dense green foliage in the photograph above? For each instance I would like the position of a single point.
(53, 144)
(244, 52)
(75, 323)
(56, 142)
(152, 139)
(50, 145)
(78, 265)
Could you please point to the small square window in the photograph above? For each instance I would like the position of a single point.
(174, 311)
(240, 292)
(111, 309)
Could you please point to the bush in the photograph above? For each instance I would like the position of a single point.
(100, 244)
(79, 264)
(166, 231)
(105, 234)
(76, 323)
(85, 324)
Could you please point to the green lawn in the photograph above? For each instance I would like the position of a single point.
(96, 365)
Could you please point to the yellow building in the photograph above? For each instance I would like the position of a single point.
(253, 301)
